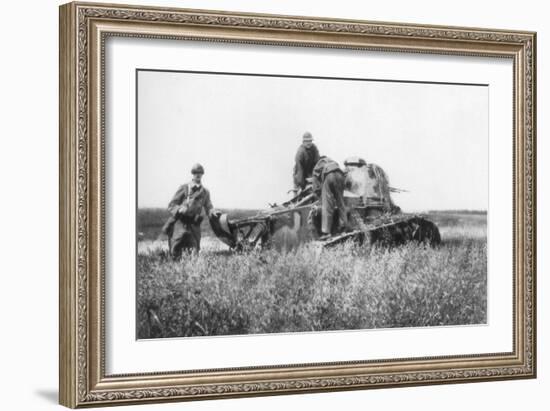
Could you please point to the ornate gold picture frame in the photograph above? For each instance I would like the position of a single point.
(84, 30)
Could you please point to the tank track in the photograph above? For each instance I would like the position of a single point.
(389, 231)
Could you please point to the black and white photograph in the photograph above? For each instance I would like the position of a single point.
(288, 204)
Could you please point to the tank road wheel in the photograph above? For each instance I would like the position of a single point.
(401, 233)
(382, 236)
(424, 231)
(407, 232)
(314, 222)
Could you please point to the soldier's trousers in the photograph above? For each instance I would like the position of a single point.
(185, 237)
(332, 203)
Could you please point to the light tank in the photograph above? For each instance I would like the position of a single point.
(373, 217)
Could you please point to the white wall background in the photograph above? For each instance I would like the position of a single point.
(28, 219)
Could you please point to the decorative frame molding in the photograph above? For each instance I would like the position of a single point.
(83, 30)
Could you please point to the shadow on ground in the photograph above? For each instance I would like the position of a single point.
(49, 395)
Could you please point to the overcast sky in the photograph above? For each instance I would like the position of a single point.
(431, 139)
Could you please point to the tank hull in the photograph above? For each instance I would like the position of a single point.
(289, 228)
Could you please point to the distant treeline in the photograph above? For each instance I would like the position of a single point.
(480, 212)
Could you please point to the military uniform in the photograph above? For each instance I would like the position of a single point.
(305, 160)
(329, 184)
(183, 227)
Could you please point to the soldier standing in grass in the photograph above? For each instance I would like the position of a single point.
(306, 158)
(183, 228)
(329, 183)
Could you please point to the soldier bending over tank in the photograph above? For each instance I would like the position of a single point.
(329, 184)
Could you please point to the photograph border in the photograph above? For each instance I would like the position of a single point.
(84, 28)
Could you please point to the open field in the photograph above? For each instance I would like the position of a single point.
(218, 292)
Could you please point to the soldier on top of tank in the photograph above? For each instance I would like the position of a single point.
(329, 183)
(183, 228)
(306, 158)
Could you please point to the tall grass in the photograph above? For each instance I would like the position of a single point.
(348, 287)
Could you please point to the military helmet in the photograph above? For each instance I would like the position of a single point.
(197, 169)
(307, 137)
